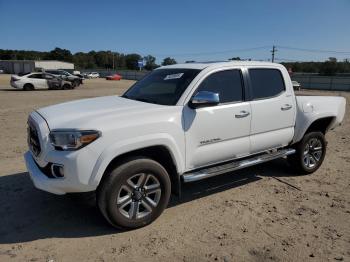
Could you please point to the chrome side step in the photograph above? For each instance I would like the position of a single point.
(235, 165)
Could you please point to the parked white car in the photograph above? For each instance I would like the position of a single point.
(93, 75)
(38, 80)
(181, 123)
(296, 85)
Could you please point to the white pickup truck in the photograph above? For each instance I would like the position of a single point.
(181, 123)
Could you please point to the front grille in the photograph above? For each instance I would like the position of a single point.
(33, 139)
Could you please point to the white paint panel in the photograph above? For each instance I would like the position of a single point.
(271, 139)
(229, 135)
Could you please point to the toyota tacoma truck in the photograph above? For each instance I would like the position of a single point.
(179, 124)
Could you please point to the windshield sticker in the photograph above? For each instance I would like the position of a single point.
(173, 76)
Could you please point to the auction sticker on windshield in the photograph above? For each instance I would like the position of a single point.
(173, 76)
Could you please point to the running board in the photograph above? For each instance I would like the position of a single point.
(235, 165)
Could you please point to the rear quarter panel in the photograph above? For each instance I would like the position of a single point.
(312, 108)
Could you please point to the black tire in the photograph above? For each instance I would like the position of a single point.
(66, 87)
(310, 153)
(28, 87)
(120, 186)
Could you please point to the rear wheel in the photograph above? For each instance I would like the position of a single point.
(28, 87)
(310, 153)
(134, 193)
(66, 87)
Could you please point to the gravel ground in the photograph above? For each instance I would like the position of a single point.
(265, 213)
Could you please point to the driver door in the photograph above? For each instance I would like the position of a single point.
(218, 133)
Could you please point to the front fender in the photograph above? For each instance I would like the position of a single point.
(136, 143)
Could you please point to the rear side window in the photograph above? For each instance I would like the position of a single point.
(266, 83)
(47, 76)
(38, 76)
(53, 72)
(228, 84)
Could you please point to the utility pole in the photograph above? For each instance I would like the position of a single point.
(273, 51)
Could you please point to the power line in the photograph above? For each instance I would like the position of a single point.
(313, 50)
(287, 60)
(216, 52)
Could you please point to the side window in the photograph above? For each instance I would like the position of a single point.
(266, 83)
(46, 76)
(37, 76)
(228, 84)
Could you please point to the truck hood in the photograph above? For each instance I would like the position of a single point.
(92, 112)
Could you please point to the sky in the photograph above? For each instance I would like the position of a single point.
(199, 30)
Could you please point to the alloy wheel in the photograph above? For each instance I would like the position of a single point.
(139, 196)
(312, 152)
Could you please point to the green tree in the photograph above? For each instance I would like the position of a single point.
(150, 62)
(60, 54)
(237, 58)
(131, 61)
(169, 61)
(329, 67)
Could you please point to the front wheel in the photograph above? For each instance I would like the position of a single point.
(310, 153)
(134, 193)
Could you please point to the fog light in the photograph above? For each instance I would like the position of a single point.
(57, 170)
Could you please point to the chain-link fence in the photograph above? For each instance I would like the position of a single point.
(126, 74)
(317, 82)
(307, 81)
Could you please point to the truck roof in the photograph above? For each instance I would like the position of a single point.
(202, 65)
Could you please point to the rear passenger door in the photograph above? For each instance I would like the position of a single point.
(218, 133)
(38, 81)
(273, 109)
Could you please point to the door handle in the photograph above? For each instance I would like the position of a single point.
(286, 107)
(242, 114)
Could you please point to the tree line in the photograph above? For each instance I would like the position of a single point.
(329, 67)
(88, 60)
(116, 60)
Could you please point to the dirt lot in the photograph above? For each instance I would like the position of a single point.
(261, 213)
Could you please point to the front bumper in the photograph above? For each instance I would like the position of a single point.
(58, 186)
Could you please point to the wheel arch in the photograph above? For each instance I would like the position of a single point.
(321, 124)
(304, 126)
(160, 153)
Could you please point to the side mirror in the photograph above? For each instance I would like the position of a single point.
(204, 98)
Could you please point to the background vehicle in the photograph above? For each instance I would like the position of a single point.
(296, 85)
(114, 77)
(181, 123)
(93, 75)
(38, 80)
(75, 80)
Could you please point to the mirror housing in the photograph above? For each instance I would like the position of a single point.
(204, 98)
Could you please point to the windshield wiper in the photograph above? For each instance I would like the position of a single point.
(144, 100)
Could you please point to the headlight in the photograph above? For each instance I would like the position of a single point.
(68, 139)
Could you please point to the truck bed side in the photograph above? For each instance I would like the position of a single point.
(312, 108)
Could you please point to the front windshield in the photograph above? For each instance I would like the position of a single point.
(162, 86)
